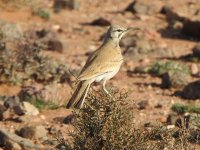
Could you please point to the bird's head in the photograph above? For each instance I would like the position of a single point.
(117, 32)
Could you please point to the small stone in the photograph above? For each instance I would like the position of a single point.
(33, 132)
(191, 91)
(196, 50)
(2, 110)
(55, 45)
(69, 119)
(194, 68)
(158, 105)
(142, 104)
(101, 22)
(30, 109)
(11, 102)
(54, 130)
(191, 28)
(65, 4)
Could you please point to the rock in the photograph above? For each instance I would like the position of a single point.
(101, 22)
(11, 102)
(2, 110)
(54, 130)
(144, 7)
(42, 33)
(159, 105)
(55, 45)
(174, 79)
(11, 31)
(65, 4)
(69, 119)
(171, 15)
(195, 69)
(19, 110)
(191, 91)
(191, 28)
(196, 50)
(33, 132)
(9, 145)
(7, 137)
(6, 114)
(29, 92)
(29, 109)
(143, 104)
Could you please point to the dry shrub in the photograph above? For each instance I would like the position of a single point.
(107, 123)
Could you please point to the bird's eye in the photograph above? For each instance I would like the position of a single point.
(119, 30)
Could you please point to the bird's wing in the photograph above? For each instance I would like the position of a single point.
(99, 64)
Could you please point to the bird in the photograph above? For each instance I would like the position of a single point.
(101, 65)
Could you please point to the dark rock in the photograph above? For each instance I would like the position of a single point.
(65, 4)
(170, 14)
(42, 33)
(174, 79)
(55, 45)
(196, 50)
(191, 28)
(19, 110)
(159, 105)
(142, 104)
(11, 102)
(9, 145)
(69, 119)
(28, 93)
(33, 132)
(191, 91)
(101, 22)
(2, 110)
(54, 130)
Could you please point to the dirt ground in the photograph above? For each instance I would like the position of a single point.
(80, 38)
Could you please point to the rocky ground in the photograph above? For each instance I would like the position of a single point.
(44, 44)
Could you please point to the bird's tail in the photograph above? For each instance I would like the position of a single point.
(79, 95)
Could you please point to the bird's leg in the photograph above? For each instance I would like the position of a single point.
(104, 88)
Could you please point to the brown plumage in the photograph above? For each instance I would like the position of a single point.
(102, 64)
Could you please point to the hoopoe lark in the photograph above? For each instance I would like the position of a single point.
(101, 65)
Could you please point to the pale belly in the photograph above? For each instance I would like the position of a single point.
(106, 76)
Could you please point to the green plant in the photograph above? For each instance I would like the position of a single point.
(183, 108)
(42, 13)
(159, 68)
